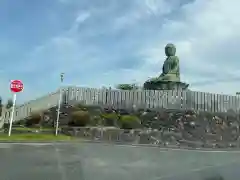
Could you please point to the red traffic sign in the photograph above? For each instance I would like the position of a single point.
(16, 86)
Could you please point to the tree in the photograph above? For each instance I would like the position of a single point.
(9, 104)
(127, 86)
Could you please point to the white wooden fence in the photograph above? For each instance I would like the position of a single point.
(128, 99)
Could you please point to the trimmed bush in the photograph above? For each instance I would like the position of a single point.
(130, 122)
(110, 119)
(79, 118)
(34, 119)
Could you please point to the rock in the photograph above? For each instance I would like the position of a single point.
(168, 125)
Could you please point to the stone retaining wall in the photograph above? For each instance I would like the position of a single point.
(162, 138)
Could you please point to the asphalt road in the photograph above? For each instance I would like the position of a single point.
(86, 161)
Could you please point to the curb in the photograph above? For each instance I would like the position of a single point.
(160, 146)
(122, 144)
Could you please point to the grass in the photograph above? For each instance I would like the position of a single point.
(35, 137)
(32, 129)
(28, 134)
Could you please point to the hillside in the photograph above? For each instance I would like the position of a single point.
(176, 126)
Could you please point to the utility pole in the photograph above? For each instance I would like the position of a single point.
(59, 102)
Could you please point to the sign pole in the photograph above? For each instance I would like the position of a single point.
(15, 86)
(12, 114)
(59, 104)
(58, 111)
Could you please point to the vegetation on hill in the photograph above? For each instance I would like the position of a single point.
(79, 118)
(83, 115)
(175, 124)
(34, 119)
(130, 122)
(127, 86)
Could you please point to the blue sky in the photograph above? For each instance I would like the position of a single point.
(105, 42)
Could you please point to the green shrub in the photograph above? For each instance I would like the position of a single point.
(75, 108)
(96, 120)
(81, 107)
(110, 119)
(130, 122)
(80, 118)
(34, 119)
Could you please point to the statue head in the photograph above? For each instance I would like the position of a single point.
(170, 50)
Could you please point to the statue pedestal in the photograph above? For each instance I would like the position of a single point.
(165, 85)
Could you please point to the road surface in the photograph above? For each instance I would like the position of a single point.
(86, 161)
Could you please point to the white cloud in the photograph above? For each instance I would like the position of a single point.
(159, 6)
(127, 20)
(83, 16)
(143, 10)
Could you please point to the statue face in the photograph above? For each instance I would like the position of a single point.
(170, 50)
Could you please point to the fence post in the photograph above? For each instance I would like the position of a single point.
(181, 99)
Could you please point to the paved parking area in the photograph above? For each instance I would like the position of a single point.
(86, 161)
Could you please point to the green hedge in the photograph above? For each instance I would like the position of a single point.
(34, 119)
(110, 119)
(129, 122)
(79, 118)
